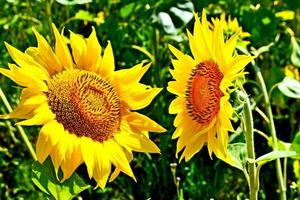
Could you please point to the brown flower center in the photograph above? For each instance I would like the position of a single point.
(203, 92)
(85, 104)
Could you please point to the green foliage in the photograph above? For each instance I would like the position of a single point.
(44, 177)
(141, 31)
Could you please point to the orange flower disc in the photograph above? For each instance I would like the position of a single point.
(203, 92)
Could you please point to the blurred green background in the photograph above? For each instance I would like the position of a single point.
(152, 25)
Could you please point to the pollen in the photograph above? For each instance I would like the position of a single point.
(85, 104)
(203, 92)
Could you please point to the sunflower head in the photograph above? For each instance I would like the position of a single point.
(201, 85)
(85, 107)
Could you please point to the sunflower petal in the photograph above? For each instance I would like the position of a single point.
(139, 96)
(79, 49)
(61, 50)
(132, 75)
(42, 115)
(93, 54)
(72, 158)
(107, 66)
(177, 105)
(136, 142)
(27, 63)
(87, 149)
(118, 157)
(102, 168)
(45, 53)
(194, 146)
(143, 123)
(48, 137)
(238, 64)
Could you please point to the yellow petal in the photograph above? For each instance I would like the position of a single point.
(139, 96)
(87, 149)
(48, 137)
(177, 105)
(45, 53)
(136, 142)
(176, 87)
(115, 174)
(117, 170)
(93, 55)
(182, 70)
(229, 48)
(27, 63)
(132, 75)
(58, 152)
(181, 56)
(212, 142)
(237, 65)
(102, 167)
(190, 131)
(29, 101)
(218, 44)
(61, 50)
(118, 157)
(143, 123)
(107, 66)
(194, 146)
(24, 78)
(43, 114)
(79, 49)
(72, 158)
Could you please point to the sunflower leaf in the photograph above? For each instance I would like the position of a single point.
(290, 87)
(296, 146)
(274, 155)
(44, 177)
(295, 56)
(239, 153)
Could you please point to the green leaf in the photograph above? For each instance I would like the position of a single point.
(183, 11)
(296, 146)
(282, 146)
(126, 10)
(295, 56)
(167, 23)
(290, 87)
(273, 156)
(44, 177)
(239, 153)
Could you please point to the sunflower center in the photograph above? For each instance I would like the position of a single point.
(203, 92)
(85, 104)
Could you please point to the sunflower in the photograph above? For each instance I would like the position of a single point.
(231, 26)
(87, 109)
(202, 87)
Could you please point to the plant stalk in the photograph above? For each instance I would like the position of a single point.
(20, 129)
(279, 174)
(249, 135)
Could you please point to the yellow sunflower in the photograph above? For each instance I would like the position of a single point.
(87, 109)
(202, 88)
(231, 26)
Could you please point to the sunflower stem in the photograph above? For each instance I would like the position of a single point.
(249, 135)
(19, 128)
(49, 15)
(271, 124)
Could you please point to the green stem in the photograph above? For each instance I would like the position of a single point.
(249, 135)
(20, 129)
(279, 174)
(49, 14)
